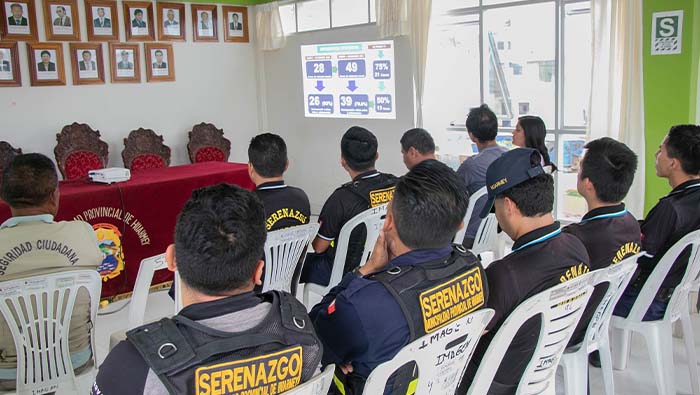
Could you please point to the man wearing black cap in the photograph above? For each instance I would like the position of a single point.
(542, 257)
(368, 188)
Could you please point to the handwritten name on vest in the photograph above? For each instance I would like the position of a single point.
(285, 213)
(264, 375)
(381, 196)
(451, 300)
(625, 250)
(16, 252)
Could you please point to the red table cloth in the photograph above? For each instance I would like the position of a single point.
(136, 219)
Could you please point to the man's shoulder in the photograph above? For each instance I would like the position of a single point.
(124, 371)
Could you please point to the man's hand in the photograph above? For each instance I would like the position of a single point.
(346, 368)
(379, 258)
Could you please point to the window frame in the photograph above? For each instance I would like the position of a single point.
(330, 17)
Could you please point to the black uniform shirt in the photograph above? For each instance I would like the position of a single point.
(540, 260)
(610, 234)
(285, 206)
(367, 190)
(674, 216)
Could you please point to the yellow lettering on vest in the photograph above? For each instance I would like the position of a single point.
(381, 196)
(215, 383)
(203, 385)
(451, 300)
(573, 272)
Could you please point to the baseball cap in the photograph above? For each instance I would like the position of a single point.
(510, 169)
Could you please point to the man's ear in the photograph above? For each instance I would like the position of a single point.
(413, 152)
(251, 170)
(510, 206)
(257, 274)
(376, 156)
(286, 165)
(170, 258)
(388, 221)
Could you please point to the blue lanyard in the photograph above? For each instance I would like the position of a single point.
(541, 239)
(611, 215)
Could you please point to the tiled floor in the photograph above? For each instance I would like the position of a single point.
(637, 379)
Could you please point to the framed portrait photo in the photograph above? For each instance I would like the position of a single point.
(171, 21)
(61, 20)
(86, 62)
(19, 20)
(138, 21)
(235, 24)
(46, 64)
(102, 20)
(204, 21)
(9, 65)
(124, 61)
(160, 64)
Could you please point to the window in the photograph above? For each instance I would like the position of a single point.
(524, 57)
(307, 15)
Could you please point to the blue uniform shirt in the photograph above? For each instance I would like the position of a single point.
(360, 322)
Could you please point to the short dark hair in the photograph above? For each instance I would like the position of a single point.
(533, 197)
(60, 7)
(429, 203)
(87, 52)
(482, 123)
(29, 180)
(138, 11)
(683, 143)
(419, 139)
(535, 132)
(359, 148)
(16, 5)
(219, 238)
(45, 52)
(267, 153)
(158, 51)
(610, 166)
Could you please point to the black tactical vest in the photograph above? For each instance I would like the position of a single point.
(432, 295)
(191, 358)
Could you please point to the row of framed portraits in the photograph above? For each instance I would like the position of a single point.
(62, 23)
(46, 64)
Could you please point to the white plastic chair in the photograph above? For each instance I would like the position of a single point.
(373, 219)
(38, 312)
(318, 385)
(283, 250)
(658, 334)
(487, 239)
(574, 362)
(441, 356)
(560, 308)
(459, 237)
(139, 296)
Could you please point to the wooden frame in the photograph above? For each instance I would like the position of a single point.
(199, 34)
(97, 29)
(54, 73)
(9, 67)
(82, 76)
(120, 73)
(70, 31)
(158, 74)
(175, 31)
(235, 35)
(133, 32)
(21, 32)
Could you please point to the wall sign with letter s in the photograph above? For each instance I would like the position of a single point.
(667, 32)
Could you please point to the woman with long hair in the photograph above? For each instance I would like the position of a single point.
(530, 132)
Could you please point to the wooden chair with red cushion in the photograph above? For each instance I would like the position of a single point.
(208, 144)
(79, 149)
(144, 149)
(7, 153)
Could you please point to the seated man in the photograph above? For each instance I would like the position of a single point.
(482, 126)
(368, 188)
(542, 257)
(417, 145)
(224, 331)
(284, 205)
(608, 231)
(674, 216)
(363, 322)
(30, 188)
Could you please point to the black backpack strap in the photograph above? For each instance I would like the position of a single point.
(386, 278)
(294, 315)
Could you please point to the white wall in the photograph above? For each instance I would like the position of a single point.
(314, 143)
(215, 82)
